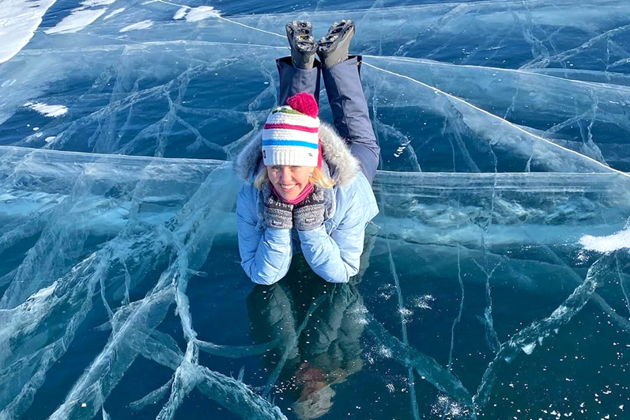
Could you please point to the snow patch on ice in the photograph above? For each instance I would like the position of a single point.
(114, 13)
(445, 407)
(145, 24)
(560, 310)
(181, 13)
(44, 292)
(18, 22)
(76, 21)
(608, 243)
(423, 302)
(385, 352)
(529, 348)
(94, 3)
(405, 312)
(202, 12)
(387, 291)
(47, 110)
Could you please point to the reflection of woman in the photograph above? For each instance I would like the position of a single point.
(325, 352)
(306, 187)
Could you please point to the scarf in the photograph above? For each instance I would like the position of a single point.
(301, 197)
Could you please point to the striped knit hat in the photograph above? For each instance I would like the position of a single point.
(290, 135)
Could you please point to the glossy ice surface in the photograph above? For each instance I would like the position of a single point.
(495, 282)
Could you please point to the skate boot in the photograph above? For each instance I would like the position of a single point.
(333, 48)
(302, 43)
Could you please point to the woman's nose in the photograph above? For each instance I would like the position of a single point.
(285, 174)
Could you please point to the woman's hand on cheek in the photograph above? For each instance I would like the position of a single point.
(309, 214)
(277, 214)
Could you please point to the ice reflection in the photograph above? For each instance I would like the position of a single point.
(318, 328)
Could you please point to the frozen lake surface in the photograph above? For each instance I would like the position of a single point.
(495, 281)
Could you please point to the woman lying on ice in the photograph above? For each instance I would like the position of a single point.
(308, 187)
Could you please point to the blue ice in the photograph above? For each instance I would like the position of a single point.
(501, 246)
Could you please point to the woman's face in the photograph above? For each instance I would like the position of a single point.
(289, 181)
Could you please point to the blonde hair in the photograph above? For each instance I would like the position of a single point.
(319, 178)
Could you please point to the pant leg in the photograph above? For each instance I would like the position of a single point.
(272, 318)
(350, 113)
(294, 80)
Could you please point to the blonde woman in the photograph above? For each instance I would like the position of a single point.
(308, 186)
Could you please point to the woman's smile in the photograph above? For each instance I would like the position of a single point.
(289, 181)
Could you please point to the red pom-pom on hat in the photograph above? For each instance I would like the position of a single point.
(305, 103)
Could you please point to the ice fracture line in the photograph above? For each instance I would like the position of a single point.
(222, 18)
(452, 97)
(403, 327)
(455, 98)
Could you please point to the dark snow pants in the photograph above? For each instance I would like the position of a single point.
(347, 101)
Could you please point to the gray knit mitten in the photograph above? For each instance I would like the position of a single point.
(309, 214)
(277, 214)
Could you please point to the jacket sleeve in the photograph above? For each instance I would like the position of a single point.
(265, 254)
(336, 257)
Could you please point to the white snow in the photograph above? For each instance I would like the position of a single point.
(47, 110)
(93, 3)
(202, 12)
(44, 292)
(405, 312)
(18, 22)
(114, 13)
(77, 20)
(385, 352)
(609, 243)
(560, 310)
(423, 302)
(196, 14)
(529, 348)
(181, 12)
(138, 26)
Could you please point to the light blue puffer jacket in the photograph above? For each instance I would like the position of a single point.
(332, 250)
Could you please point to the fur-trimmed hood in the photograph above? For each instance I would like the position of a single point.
(342, 165)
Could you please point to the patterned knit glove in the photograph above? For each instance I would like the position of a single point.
(277, 214)
(309, 214)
